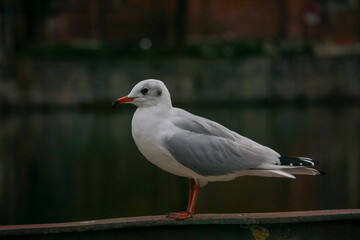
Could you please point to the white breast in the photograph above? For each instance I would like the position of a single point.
(149, 128)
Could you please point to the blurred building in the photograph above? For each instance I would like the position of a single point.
(174, 22)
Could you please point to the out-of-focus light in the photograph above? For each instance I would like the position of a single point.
(145, 43)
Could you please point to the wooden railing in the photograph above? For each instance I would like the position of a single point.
(321, 224)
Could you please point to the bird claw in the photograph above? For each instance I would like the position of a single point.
(180, 215)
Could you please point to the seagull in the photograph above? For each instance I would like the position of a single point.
(197, 148)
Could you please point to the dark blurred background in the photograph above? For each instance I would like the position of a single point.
(285, 73)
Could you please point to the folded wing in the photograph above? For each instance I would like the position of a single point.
(210, 149)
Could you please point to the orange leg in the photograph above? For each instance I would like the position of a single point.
(193, 193)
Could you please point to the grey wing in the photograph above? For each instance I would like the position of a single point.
(212, 155)
(192, 123)
(195, 124)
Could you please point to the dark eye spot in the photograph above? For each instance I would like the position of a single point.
(144, 91)
(159, 92)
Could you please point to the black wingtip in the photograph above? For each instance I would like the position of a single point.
(322, 173)
(297, 161)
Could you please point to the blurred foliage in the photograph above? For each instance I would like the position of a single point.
(33, 19)
(232, 50)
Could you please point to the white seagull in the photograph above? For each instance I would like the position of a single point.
(197, 148)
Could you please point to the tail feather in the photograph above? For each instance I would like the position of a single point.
(288, 167)
(281, 173)
(302, 171)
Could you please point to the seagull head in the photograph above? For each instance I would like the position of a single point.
(147, 93)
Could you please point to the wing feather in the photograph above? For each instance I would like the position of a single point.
(195, 124)
(212, 155)
(211, 149)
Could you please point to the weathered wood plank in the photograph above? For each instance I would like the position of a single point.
(322, 224)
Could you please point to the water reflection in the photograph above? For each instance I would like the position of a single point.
(70, 166)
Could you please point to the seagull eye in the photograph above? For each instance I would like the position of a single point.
(144, 91)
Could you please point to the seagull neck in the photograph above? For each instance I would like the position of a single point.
(165, 105)
(161, 107)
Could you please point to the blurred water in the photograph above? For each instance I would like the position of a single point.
(71, 166)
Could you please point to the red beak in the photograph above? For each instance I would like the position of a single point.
(122, 100)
